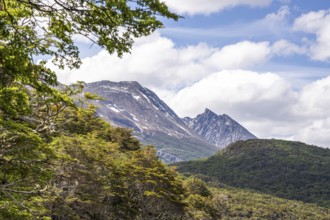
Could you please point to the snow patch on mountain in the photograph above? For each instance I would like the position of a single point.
(130, 105)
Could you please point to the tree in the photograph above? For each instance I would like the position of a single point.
(32, 109)
(24, 171)
(100, 176)
(30, 28)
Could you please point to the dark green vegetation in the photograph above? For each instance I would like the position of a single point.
(85, 169)
(291, 170)
(57, 160)
(231, 203)
(185, 148)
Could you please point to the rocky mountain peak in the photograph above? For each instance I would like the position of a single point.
(208, 114)
(129, 104)
(208, 111)
(220, 130)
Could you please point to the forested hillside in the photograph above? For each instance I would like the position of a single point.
(291, 170)
(232, 203)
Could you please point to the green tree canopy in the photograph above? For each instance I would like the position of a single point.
(31, 28)
(39, 121)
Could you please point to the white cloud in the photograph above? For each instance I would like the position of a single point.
(278, 16)
(241, 55)
(154, 62)
(286, 48)
(192, 78)
(157, 63)
(263, 102)
(316, 133)
(275, 24)
(232, 91)
(314, 99)
(317, 23)
(210, 6)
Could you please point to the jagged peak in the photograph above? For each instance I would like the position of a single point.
(225, 116)
(209, 112)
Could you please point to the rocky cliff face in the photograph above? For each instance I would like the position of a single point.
(130, 105)
(219, 130)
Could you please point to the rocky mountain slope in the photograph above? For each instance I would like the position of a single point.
(128, 104)
(291, 170)
(219, 130)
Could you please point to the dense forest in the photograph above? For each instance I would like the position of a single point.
(58, 161)
(286, 169)
(233, 203)
(85, 169)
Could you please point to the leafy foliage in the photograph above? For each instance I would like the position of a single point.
(291, 170)
(243, 204)
(233, 203)
(25, 171)
(47, 28)
(57, 160)
(86, 169)
(196, 186)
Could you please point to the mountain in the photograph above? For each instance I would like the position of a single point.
(219, 130)
(128, 104)
(291, 170)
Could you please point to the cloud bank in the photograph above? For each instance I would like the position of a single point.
(156, 62)
(195, 77)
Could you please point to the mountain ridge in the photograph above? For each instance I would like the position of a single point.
(128, 104)
(220, 130)
(121, 96)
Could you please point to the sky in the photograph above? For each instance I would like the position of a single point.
(265, 63)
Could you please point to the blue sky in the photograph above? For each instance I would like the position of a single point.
(266, 63)
(235, 24)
